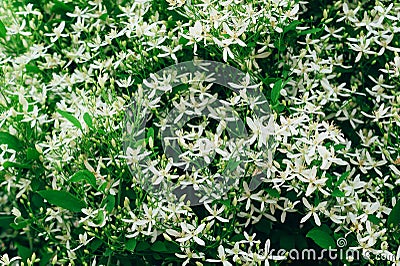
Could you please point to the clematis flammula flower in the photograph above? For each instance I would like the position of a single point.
(215, 213)
(328, 157)
(191, 232)
(57, 32)
(5, 260)
(313, 211)
(396, 259)
(222, 257)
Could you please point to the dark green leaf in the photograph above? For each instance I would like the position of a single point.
(394, 215)
(141, 246)
(301, 242)
(95, 244)
(24, 252)
(287, 241)
(3, 31)
(321, 238)
(338, 193)
(61, 8)
(84, 175)
(372, 218)
(237, 238)
(291, 26)
(183, 41)
(12, 141)
(32, 68)
(70, 118)
(32, 154)
(88, 120)
(108, 252)
(99, 219)
(172, 247)
(63, 199)
(110, 203)
(342, 178)
(275, 93)
(273, 192)
(103, 17)
(159, 246)
(131, 244)
(339, 147)
(310, 31)
(6, 220)
(20, 225)
(16, 165)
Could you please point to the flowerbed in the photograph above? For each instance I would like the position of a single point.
(325, 157)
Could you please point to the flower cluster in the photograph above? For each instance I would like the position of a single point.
(326, 157)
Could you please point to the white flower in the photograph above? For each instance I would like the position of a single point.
(5, 260)
(268, 256)
(215, 213)
(57, 32)
(222, 257)
(188, 255)
(313, 211)
(191, 232)
(328, 157)
(396, 261)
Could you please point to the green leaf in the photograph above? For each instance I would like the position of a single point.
(103, 17)
(63, 199)
(276, 90)
(3, 31)
(338, 193)
(84, 175)
(32, 154)
(339, 147)
(99, 219)
(142, 246)
(131, 244)
(24, 252)
(321, 238)
(172, 247)
(13, 142)
(159, 246)
(375, 220)
(88, 120)
(6, 220)
(237, 238)
(20, 225)
(95, 244)
(61, 8)
(183, 41)
(273, 192)
(291, 26)
(310, 31)
(263, 226)
(32, 68)
(342, 178)
(108, 252)
(16, 165)
(278, 107)
(301, 242)
(232, 165)
(110, 203)
(280, 45)
(150, 133)
(394, 215)
(287, 241)
(70, 118)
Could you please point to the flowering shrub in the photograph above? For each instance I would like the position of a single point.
(326, 159)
